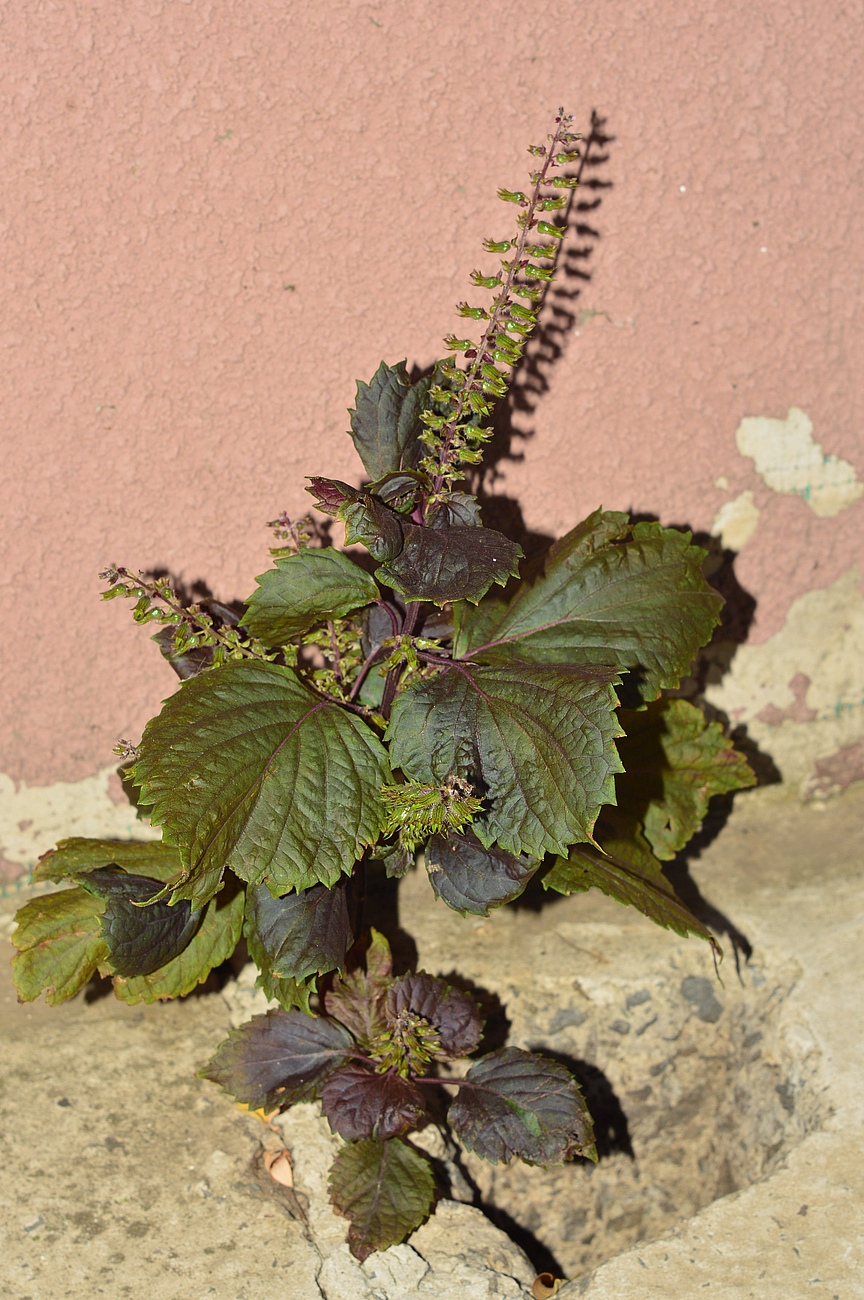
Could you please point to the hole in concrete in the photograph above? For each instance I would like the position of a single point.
(695, 1094)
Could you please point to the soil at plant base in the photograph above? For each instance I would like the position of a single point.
(125, 1175)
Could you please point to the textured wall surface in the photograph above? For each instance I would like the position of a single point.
(218, 217)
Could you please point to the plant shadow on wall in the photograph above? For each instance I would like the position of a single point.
(512, 423)
(440, 703)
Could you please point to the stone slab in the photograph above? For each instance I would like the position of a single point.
(122, 1174)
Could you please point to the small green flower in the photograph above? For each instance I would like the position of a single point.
(415, 811)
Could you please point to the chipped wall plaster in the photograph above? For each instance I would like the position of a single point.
(788, 460)
(801, 693)
(34, 818)
(736, 521)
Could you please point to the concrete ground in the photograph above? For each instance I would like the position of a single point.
(794, 876)
(742, 1106)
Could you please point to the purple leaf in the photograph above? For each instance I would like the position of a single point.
(140, 939)
(453, 563)
(470, 878)
(398, 862)
(361, 1103)
(357, 999)
(302, 934)
(399, 490)
(189, 663)
(516, 1103)
(458, 510)
(279, 1058)
(331, 493)
(452, 1013)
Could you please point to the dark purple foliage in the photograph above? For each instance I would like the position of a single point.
(360, 1103)
(517, 1103)
(452, 1013)
(279, 1058)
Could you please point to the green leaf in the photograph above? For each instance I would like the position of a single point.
(537, 741)
(471, 879)
(675, 761)
(288, 992)
(60, 944)
(303, 589)
(374, 525)
(384, 1189)
(451, 563)
(609, 593)
(216, 939)
(399, 490)
(279, 1058)
(476, 624)
(379, 959)
(142, 857)
(246, 768)
(636, 880)
(303, 934)
(385, 424)
(517, 1103)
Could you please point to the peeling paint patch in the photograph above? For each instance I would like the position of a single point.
(735, 521)
(788, 460)
(797, 711)
(833, 774)
(801, 693)
(34, 818)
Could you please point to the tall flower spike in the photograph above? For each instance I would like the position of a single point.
(463, 398)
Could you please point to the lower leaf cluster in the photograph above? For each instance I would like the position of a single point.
(369, 1058)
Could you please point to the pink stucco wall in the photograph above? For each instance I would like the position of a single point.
(217, 216)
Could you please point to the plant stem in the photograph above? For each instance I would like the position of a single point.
(438, 661)
(339, 699)
(501, 304)
(362, 671)
(391, 614)
(456, 1083)
(394, 674)
(334, 650)
(359, 901)
(411, 612)
(192, 616)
